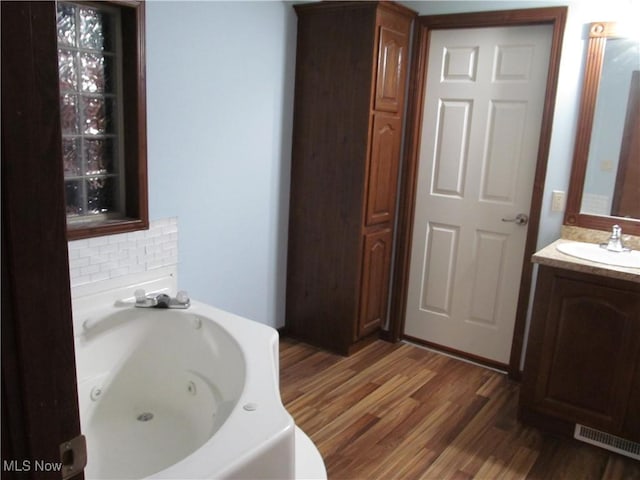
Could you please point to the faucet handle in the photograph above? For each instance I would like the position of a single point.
(616, 231)
(141, 295)
(182, 297)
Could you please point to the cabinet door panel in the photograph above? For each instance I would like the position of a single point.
(392, 50)
(631, 427)
(590, 341)
(383, 169)
(375, 280)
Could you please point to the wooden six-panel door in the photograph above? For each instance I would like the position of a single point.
(481, 121)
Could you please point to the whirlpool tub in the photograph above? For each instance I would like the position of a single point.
(189, 394)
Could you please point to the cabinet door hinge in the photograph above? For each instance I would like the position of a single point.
(73, 455)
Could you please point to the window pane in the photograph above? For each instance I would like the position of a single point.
(98, 114)
(99, 155)
(95, 29)
(100, 195)
(66, 25)
(70, 157)
(96, 73)
(74, 197)
(69, 114)
(67, 71)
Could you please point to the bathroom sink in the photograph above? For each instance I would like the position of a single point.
(594, 253)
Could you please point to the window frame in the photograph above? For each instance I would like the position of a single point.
(133, 130)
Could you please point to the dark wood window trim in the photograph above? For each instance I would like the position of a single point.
(134, 130)
(555, 16)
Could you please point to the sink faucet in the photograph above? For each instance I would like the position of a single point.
(614, 244)
(161, 300)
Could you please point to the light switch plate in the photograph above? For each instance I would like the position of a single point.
(558, 201)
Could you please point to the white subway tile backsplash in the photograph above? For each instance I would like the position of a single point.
(99, 276)
(81, 280)
(104, 258)
(151, 264)
(97, 241)
(90, 269)
(80, 262)
(107, 249)
(137, 268)
(169, 229)
(98, 259)
(118, 272)
(116, 239)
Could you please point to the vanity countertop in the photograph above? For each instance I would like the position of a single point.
(550, 256)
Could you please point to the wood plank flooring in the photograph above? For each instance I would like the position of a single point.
(397, 411)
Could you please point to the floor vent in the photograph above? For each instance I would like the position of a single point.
(608, 441)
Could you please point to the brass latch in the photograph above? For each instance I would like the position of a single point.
(73, 455)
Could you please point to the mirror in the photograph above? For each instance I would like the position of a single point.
(605, 179)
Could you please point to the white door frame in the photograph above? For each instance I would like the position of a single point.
(555, 16)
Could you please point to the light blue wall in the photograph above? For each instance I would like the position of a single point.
(219, 101)
(220, 81)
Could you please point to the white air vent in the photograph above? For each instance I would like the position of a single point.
(608, 441)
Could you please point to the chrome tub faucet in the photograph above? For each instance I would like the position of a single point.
(162, 300)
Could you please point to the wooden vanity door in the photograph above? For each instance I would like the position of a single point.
(631, 426)
(590, 344)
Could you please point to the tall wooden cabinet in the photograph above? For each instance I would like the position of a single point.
(351, 71)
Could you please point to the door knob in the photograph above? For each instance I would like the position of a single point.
(521, 219)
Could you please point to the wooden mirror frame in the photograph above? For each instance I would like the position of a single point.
(599, 32)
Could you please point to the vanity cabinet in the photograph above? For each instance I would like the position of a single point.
(351, 67)
(583, 354)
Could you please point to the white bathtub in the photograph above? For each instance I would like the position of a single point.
(188, 394)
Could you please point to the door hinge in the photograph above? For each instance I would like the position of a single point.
(73, 455)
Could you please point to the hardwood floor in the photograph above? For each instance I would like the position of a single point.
(397, 411)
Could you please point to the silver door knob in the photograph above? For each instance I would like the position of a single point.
(521, 219)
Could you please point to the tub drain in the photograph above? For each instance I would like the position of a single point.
(145, 417)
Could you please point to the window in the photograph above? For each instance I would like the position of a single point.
(102, 112)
